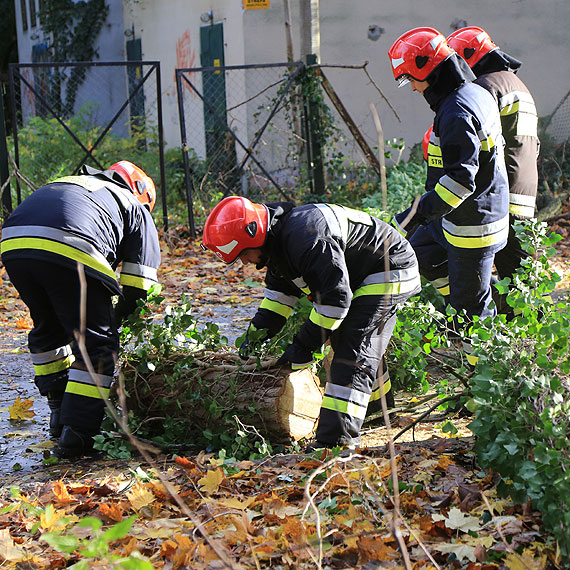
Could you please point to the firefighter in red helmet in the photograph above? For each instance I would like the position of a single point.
(355, 268)
(85, 225)
(462, 219)
(496, 71)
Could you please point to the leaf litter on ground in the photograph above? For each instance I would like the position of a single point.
(286, 511)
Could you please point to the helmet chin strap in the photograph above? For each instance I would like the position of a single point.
(263, 261)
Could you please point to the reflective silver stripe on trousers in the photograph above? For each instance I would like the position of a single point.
(83, 377)
(347, 394)
(476, 231)
(51, 355)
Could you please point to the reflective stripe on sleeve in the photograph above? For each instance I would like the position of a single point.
(521, 104)
(451, 192)
(487, 142)
(472, 237)
(442, 285)
(276, 307)
(138, 275)
(301, 284)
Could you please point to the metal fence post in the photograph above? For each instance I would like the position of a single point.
(314, 139)
(4, 172)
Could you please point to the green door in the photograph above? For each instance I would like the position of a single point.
(220, 145)
(134, 75)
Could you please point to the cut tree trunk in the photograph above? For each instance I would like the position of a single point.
(206, 391)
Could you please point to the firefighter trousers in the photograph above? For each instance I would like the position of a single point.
(461, 275)
(508, 260)
(357, 366)
(52, 293)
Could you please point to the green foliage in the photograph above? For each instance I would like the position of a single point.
(73, 27)
(404, 182)
(47, 151)
(95, 546)
(521, 390)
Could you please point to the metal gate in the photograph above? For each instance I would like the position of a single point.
(241, 129)
(88, 112)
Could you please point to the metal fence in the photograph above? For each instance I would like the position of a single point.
(90, 112)
(557, 125)
(242, 130)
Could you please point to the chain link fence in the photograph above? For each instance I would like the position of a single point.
(65, 115)
(557, 125)
(271, 131)
(241, 130)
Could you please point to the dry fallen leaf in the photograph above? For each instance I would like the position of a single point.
(140, 496)
(459, 521)
(21, 409)
(211, 481)
(8, 550)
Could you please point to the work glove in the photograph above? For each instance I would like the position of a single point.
(412, 224)
(297, 356)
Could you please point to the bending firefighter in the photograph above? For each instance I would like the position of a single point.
(355, 268)
(86, 224)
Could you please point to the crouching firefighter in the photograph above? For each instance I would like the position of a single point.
(356, 269)
(80, 228)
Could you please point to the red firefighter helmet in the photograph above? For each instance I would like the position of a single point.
(235, 224)
(141, 185)
(471, 43)
(425, 142)
(417, 53)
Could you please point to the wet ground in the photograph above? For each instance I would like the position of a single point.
(22, 443)
(25, 445)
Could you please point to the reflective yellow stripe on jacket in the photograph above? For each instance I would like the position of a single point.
(472, 237)
(56, 241)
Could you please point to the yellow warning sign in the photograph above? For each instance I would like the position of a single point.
(255, 4)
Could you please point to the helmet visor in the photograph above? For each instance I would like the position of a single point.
(403, 80)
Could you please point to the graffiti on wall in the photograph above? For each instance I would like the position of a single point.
(185, 58)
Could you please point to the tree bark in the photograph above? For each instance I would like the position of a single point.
(207, 392)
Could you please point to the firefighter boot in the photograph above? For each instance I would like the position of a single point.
(74, 442)
(54, 404)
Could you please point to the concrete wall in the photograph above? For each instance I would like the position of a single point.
(102, 86)
(535, 32)
(170, 32)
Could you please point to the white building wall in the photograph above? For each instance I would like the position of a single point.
(103, 87)
(535, 32)
(170, 32)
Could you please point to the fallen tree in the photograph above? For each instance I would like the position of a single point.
(203, 390)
